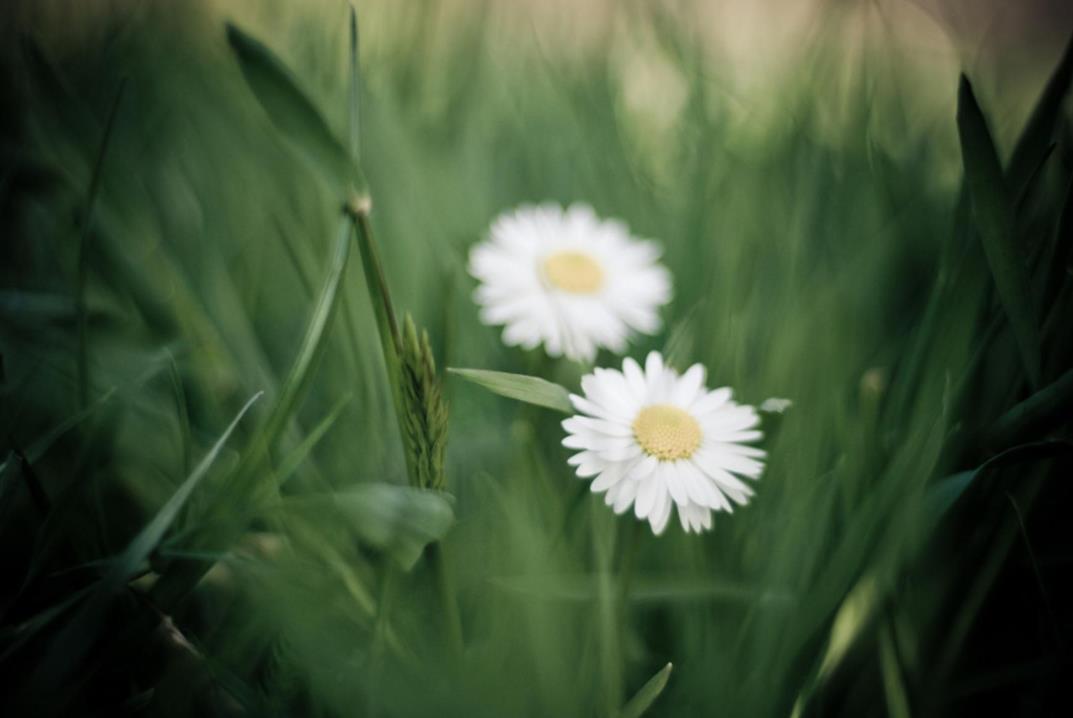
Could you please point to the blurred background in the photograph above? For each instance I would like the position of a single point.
(166, 242)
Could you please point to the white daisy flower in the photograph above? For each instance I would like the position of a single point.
(569, 280)
(655, 440)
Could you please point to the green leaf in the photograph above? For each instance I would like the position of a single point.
(295, 458)
(312, 347)
(41, 445)
(399, 520)
(948, 490)
(1053, 261)
(993, 214)
(180, 579)
(530, 389)
(137, 552)
(1039, 130)
(354, 91)
(650, 691)
(1051, 404)
(72, 644)
(292, 112)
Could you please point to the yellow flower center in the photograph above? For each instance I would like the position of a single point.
(574, 272)
(666, 432)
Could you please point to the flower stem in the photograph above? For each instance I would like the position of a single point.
(451, 618)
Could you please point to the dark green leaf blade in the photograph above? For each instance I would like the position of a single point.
(1039, 130)
(291, 110)
(993, 213)
(77, 637)
(948, 490)
(530, 389)
(1046, 407)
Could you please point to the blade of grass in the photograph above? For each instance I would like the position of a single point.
(1054, 258)
(1037, 413)
(1039, 130)
(73, 643)
(650, 691)
(893, 679)
(354, 90)
(994, 220)
(177, 582)
(313, 343)
(294, 459)
(530, 389)
(948, 490)
(291, 111)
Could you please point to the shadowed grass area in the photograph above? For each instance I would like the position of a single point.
(904, 284)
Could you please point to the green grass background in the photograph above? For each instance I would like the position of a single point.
(822, 250)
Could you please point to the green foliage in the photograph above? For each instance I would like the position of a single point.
(530, 389)
(291, 111)
(993, 210)
(648, 694)
(820, 252)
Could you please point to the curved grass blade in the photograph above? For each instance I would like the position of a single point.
(530, 389)
(353, 90)
(947, 491)
(1039, 130)
(650, 691)
(313, 343)
(299, 454)
(181, 579)
(291, 111)
(1053, 402)
(993, 213)
(1058, 252)
(72, 644)
(40, 446)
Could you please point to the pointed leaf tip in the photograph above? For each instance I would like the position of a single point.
(530, 389)
(994, 218)
(648, 694)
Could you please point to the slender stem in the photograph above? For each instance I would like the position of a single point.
(451, 618)
(606, 609)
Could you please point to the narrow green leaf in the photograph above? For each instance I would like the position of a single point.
(993, 214)
(530, 389)
(948, 490)
(650, 691)
(313, 342)
(294, 459)
(1047, 406)
(41, 445)
(137, 552)
(1057, 253)
(1039, 130)
(893, 675)
(291, 111)
(14, 637)
(72, 644)
(399, 520)
(182, 578)
(353, 91)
